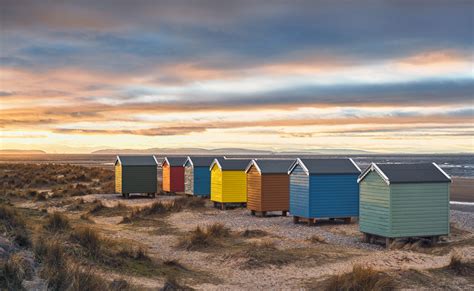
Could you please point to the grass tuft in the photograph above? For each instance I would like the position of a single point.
(89, 239)
(14, 224)
(13, 271)
(201, 238)
(57, 222)
(360, 279)
(265, 253)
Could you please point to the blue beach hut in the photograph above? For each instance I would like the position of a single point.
(197, 177)
(324, 188)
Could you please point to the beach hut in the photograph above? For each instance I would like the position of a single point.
(268, 186)
(228, 182)
(197, 177)
(136, 174)
(324, 188)
(404, 200)
(173, 174)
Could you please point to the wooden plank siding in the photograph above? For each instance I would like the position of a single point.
(275, 192)
(176, 179)
(374, 205)
(333, 196)
(118, 178)
(234, 187)
(139, 179)
(189, 179)
(254, 190)
(166, 178)
(216, 184)
(299, 192)
(202, 181)
(419, 209)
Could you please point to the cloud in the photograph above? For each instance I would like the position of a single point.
(162, 131)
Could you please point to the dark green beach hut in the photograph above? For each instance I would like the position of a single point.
(136, 174)
(404, 200)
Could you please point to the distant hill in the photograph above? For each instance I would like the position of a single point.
(185, 151)
(228, 151)
(22, 152)
(329, 152)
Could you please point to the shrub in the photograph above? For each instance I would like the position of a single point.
(360, 279)
(57, 222)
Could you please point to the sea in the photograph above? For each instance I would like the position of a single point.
(456, 165)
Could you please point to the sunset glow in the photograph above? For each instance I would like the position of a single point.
(144, 74)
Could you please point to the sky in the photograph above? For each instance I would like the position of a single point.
(380, 76)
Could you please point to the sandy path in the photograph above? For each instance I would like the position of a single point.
(286, 277)
(229, 272)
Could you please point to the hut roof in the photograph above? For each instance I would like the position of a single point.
(327, 166)
(231, 164)
(408, 173)
(136, 160)
(271, 166)
(174, 161)
(200, 161)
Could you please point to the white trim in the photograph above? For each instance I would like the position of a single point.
(381, 173)
(442, 171)
(365, 172)
(298, 162)
(156, 161)
(253, 162)
(167, 161)
(371, 168)
(355, 165)
(461, 203)
(190, 161)
(118, 159)
(216, 161)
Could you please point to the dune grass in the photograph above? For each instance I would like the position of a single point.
(13, 271)
(14, 224)
(57, 222)
(203, 237)
(360, 279)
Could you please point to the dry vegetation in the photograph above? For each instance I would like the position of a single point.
(360, 279)
(77, 242)
(461, 266)
(40, 181)
(202, 238)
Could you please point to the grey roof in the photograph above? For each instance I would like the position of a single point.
(175, 161)
(136, 160)
(202, 161)
(233, 164)
(413, 173)
(274, 166)
(330, 166)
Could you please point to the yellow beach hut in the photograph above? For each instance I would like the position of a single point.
(228, 182)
